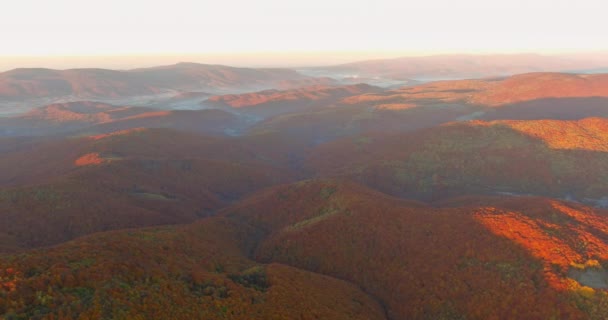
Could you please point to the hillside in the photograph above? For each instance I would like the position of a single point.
(88, 117)
(124, 180)
(423, 262)
(589, 134)
(323, 113)
(525, 97)
(188, 272)
(274, 102)
(22, 84)
(37, 160)
(279, 252)
(126, 194)
(498, 91)
(521, 157)
(536, 86)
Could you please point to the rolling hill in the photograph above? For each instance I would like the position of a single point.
(270, 103)
(461, 199)
(426, 262)
(279, 252)
(497, 92)
(517, 157)
(534, 96)
(66, 188)
(88, 117)
(187, 272)
(22, 84)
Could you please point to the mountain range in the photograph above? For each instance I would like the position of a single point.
(167, 86)
(279, 194)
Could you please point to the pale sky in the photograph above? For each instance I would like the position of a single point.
(239, 27)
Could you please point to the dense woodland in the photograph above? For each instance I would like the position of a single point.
(318, 201)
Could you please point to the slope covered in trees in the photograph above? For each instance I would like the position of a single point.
(88, 117)
(471, 199)
(479, 258)
(536, 157)
(426, 262)
(103, 83)
(128, 179)
(190, 272)
(274, 102)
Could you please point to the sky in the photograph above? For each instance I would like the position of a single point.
(289, 31)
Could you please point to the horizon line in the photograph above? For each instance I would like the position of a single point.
(259, 59)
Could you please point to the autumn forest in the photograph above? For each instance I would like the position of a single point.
(195, 191)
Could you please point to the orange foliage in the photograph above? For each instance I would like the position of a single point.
(279, 253)
(533, 86)
(587, 134)
(89, 159)
(9, 277)
(528, 233)
(187, 272)
(74, 112)
(494, 92)
(309, 94)
(557, 234)
(419, 261)
(116, 133)
(151, 114)
(395, 106)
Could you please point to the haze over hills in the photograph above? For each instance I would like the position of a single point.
(28, 83)
(445, 67)
(179, 85)
(305, 160)
(269, 103)
(147, 86)
(87, 117)
(208, 192)
(343, 109)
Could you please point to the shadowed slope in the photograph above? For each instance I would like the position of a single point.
(431, 263)
(125, 179)
(539, 157)
(189, 272)
(46, 159)
(491, 258)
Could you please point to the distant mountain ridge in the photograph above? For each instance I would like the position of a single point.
(462, 66)
(31, 83)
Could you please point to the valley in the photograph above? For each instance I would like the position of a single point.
(208, 192)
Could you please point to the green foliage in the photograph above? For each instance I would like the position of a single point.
(210, 289)
(84, 263)
(254, 278)
(84, 295)
(326, 192)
